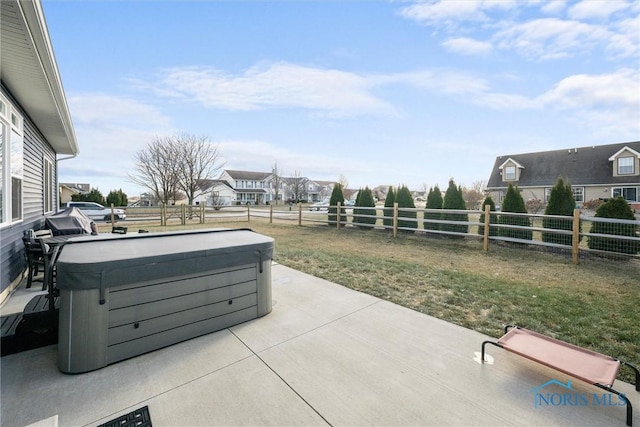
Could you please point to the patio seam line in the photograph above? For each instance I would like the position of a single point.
(151, 397)
(285, 381)
(313, 329)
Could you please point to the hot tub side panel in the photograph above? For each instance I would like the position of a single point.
(116, 308)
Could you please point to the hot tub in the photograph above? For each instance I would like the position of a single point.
(126, 296)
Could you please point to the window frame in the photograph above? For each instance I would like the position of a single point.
(575, 191)
(510, 176)
(11, 163)
(48, 187)
(632, 165)
(622, 190)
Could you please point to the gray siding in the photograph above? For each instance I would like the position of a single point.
(36, 149)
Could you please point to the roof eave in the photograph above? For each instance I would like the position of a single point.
(35, 81)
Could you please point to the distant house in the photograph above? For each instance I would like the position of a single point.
(215, 192)
(35, 128)
(596, 172)
(259, 187)
(250, 187)
(67, 190)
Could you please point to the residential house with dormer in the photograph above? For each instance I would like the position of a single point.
(594, 172)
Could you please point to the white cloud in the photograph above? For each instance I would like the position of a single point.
(550, 38)
(554, 7)
(449, 13)
(609, 100)
(522, 26)
(278, 85)
(596, 9)
(467, 46)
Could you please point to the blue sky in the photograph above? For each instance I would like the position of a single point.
(380, 92)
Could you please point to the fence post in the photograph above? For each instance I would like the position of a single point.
(395, 219)
(201, 213)
(163, 214)
(338, 215)
(575, 240)
(487, 221)
(270, 214)
(299, 213)
(248, 212)
(113, 222)
(183, 214)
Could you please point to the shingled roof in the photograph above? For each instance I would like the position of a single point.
(578, 166)
(247, 175)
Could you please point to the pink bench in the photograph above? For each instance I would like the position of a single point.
(586, 365)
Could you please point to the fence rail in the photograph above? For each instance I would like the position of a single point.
(579, 235)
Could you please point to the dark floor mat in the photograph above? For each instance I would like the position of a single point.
(138, 418)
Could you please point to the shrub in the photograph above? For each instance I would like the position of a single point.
(592, 204)
(337, 197)
(388, 208)
(513, 202)
(118, 198)
(92, 196)
(365, 206)
(620, 209)
(406, 219)
(562, 203)
(493, 231)
(453, 200)
(434, 201)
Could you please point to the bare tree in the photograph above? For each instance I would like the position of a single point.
(298, 186)
(197, 160)
(276, 181)
(474, 195)
(343, 181)
(155, 169)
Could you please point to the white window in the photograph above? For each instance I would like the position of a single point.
(630, 194)
(626, 166)
(48, 188)
(578, 194)
(509, 173)
(547, 194)
(11, 163)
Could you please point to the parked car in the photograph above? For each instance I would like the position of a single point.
(96, 211)
(320, 206)
(349, 203)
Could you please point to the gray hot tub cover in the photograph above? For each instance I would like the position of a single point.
(104, 263)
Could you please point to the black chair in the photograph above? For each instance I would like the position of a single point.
(35, 260)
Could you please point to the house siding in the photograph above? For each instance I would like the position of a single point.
(35, 150)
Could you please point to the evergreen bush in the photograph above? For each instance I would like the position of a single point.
(388, 208)
(337, 197)
(513, 202)
(364, 211)
(434, 201)
(406, 219)
(118, 198)
(493, 231)
(453, 200)
(561, 203)
(620, 209)
(92, 196)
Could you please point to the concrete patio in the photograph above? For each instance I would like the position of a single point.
(326, 355)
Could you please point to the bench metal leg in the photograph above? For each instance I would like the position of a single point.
(623, 397)
(636, 372)
(482, 352)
